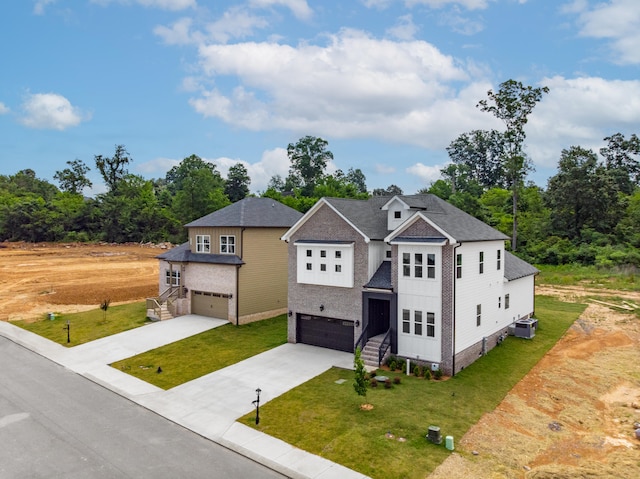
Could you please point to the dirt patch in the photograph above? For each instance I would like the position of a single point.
(40, 278)
(573, 415)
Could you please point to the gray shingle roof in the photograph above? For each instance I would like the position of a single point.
(182, 254)
(250, 213)
(367, 216)
(381, 279)
(515, 268)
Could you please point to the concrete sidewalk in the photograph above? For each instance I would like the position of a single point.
(209, 405)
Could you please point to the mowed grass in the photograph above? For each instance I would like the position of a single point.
(89, 325)
(206, 352)
(589, 277)
(325, 418)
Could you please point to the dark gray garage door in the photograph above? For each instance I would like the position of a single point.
(329, 333)
(214, 305)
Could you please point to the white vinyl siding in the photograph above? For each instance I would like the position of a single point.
(422, 298)
(325, 264)
(474, 289)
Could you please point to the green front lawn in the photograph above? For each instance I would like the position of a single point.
(89, 325)
(206, 352)
(324, 417)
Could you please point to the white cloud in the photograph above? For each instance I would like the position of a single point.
(468, 4)
(40, 5)
(157, 166)
(273, 162)
(354, 86)
(404, 29)
(461, 23)
(299, 8)
(427, 174)
(162, 4)
(179, 33)
(50, 111)
(581, 111)
(617, 21)
(4, 109)
(384, 169)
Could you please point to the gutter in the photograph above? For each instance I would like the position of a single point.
(238, 277)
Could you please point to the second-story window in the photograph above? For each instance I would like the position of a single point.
(227, 244)
(203, 244)
(481, 261)
(458, 266)
(431, 265)
(499, 259)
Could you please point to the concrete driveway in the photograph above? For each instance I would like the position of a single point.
(211, 404)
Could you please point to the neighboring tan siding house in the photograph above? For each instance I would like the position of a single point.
(433, 280)
(234, 265)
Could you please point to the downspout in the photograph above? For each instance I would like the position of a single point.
(238, 278)
(453, 311)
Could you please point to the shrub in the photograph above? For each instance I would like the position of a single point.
(396, 380)
(404, 367)
(417, 371)
(393, 365)
(427, 373)
(387, 384)
(373, 383)
(438, 374)
(390, 359)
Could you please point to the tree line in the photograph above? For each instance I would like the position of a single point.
(589, 212)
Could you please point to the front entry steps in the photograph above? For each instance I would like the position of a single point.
(371, 350)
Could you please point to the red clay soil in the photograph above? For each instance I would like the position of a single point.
(573, 415)
(39, 278)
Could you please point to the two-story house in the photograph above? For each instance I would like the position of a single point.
(234, 265)
(413, 273)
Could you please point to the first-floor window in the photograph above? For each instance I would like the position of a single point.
(506, 301)
(227, 244)
(406, 321)
(309, 266)
(172, 278)
(203, 243)
(478, 315)
(417, 323)
(323, 267)
(431, 325)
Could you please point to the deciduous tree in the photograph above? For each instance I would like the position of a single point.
(513, 103)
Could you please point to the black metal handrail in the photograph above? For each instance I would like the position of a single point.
(386, 342)
(362, 340)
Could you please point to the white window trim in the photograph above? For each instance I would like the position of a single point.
(172, 278)
(228, 245)
(203, 243)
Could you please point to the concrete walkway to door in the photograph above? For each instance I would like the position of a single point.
(211, 404)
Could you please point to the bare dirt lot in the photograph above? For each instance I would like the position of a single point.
(572, 416)
(39, 278)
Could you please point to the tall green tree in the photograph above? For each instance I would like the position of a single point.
(237, 183)
(622, 160)
(390, 190)
(582, 195)
(309, 158)
(74, 178)
(113, 169)
(512, 104)
(478, 155)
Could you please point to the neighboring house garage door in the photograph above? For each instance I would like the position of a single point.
(325, 332)
(214, 305)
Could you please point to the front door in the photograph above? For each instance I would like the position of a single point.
(379, 316)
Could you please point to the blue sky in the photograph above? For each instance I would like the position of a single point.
(388, 83)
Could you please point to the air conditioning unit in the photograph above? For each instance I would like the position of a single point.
(524, 328)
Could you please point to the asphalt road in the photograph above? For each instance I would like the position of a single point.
(57, 424)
